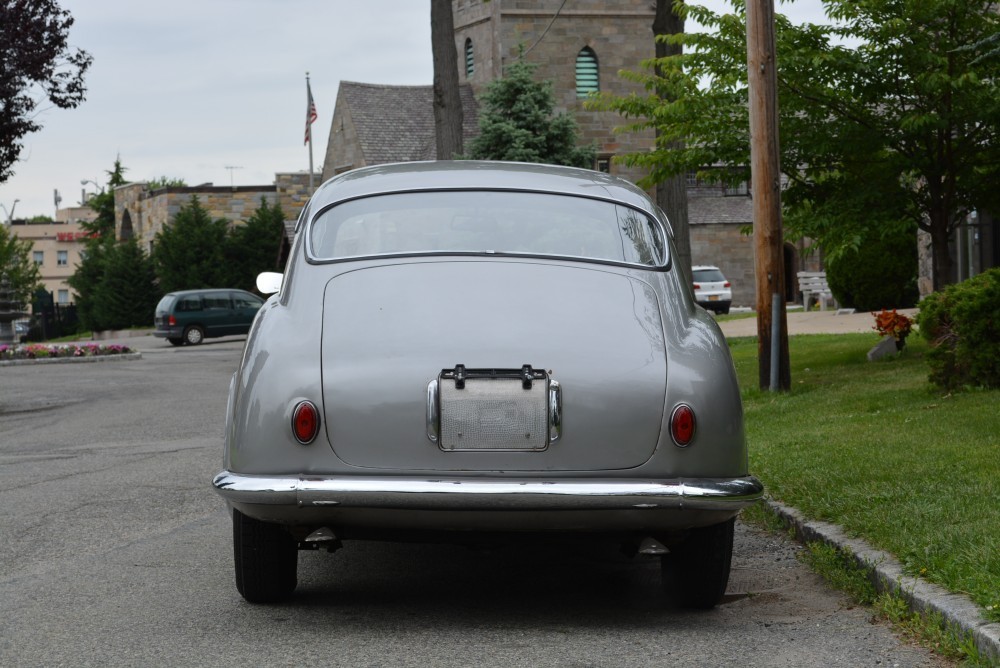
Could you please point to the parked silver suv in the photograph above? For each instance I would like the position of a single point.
(711, 289)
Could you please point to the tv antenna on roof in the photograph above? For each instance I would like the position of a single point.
(231, 169)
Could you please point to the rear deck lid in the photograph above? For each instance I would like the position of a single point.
(389, 331)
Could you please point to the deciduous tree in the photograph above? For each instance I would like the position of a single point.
(897, 129)
(36, 64)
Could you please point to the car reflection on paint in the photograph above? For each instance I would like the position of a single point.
(479, 351)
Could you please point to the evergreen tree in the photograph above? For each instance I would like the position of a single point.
(190, 253)
(87, 277)
(517, 122)
(254, 246)
(127, 294)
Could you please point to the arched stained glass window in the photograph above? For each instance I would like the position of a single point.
(470, 61)
(587, 80)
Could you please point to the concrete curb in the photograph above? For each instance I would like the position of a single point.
(886, 573)
(74, 360)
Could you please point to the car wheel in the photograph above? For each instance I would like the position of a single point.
(698, 568)
(176, 341)
(723, 311)
(194, 335)
(266, 558)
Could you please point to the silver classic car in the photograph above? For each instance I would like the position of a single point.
(473, 350)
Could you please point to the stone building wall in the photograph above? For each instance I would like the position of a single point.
(343, 147)
(145, 212)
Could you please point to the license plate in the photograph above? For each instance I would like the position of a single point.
(494, 413)
(713, 298)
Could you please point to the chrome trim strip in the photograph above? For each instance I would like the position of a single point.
(555, 411)
(433, 417)
(470, 494)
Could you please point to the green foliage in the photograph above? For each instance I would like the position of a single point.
(897, 127)
(39, 219)
(37, 65)
(516, 122)
(190, 253)
(127, 294)
(880, 273)
(89, 273)
(17, 264)
(254, 246)
(165, 182)
(962, 324)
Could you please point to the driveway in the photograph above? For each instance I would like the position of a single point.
(116, 552)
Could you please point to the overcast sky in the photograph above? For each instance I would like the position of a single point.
(187, 88)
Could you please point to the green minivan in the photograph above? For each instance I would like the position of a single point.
(191, 316)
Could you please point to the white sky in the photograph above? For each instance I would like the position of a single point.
(185, 88)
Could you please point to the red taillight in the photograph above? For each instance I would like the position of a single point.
(305, 422)
(172, 321)
(682, 425)
(726, 284)
(697, 286)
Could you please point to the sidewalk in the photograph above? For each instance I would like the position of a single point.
(812, 322)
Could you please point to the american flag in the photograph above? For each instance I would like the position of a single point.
(310, 112)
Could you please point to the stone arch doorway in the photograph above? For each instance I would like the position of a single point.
(126, 232)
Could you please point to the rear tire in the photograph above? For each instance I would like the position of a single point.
(700, 566)
(194, 335)
(174, 341)
(266, 558)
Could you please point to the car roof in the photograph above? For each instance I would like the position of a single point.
(185, 293)
(696, 267)
(479, 174)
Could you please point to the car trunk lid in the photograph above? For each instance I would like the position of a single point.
(390, 331)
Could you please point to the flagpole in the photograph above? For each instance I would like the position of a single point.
(309, 107)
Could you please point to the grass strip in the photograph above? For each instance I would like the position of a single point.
(877, 450)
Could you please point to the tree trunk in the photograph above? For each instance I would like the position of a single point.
(940, 253)
(447, 98)
(671, 194)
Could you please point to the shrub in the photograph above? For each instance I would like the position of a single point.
(880, 274)
(962, 324)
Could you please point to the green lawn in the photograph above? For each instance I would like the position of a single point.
(874, 448)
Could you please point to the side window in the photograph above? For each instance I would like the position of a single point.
(188, 304)
(217, 300)
(246, 301)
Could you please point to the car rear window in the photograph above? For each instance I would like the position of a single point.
(708, 276)
(487, 222)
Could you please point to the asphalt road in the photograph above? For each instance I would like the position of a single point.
(114, 551)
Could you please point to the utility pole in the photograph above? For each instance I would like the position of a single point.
(765, 171)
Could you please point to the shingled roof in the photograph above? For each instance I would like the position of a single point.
(714, 210)
(396, 123)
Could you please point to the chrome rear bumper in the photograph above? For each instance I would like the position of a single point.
(469, 494)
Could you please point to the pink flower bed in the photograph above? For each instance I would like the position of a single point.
(34, 351)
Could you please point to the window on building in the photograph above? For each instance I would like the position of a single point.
(63, 296)
(62, 258)
(603, 164)
(470, 61)
(38, 257)
(587, 81)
